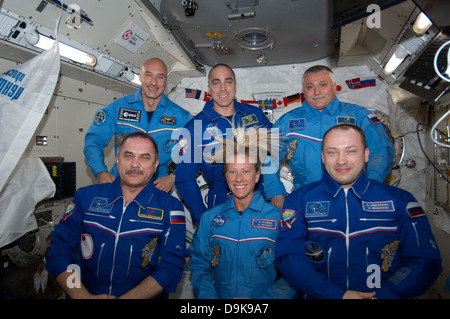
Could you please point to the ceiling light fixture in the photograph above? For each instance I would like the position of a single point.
(136, 79)
(45, 43)
(395, 60)
(422, 24)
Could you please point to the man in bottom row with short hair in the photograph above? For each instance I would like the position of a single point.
(348, 236)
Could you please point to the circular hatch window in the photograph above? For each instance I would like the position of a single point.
(255, 39)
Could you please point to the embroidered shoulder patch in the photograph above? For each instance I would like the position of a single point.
(100, 117)
(317, 209)
(297, 124)
(414, 210)
(219, 220)
(388, 254)
(373, 118)
(249, 119)
(288, 217)
(314, 251)
(265, 257)
(345, 120)
(177, 217)
(70, 209)
(168, 120)
(100, 205)
(147, 252)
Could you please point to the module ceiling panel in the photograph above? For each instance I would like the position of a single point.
(246, 33)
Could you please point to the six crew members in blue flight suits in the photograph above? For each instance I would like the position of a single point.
(303, 129)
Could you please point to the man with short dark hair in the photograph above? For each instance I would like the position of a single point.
(217, 118)
(349, 236)
(128, 237)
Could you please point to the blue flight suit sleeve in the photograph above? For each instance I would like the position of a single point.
(381, 154)
(291, 260)
(188, 166)
(201, 267)
(173, 250)
(420, 260)
(272, 181)
(65, 240)
(98, 137)
(280, 289)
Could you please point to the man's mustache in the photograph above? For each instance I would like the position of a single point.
(134, 170)
(318, 96)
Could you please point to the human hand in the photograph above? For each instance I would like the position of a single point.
(277, 201)
(352, 294)
(105, 177)
(165, 183)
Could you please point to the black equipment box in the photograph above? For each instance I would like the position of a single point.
(64, 176)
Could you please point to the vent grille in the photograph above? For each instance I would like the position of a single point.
(7, 24)
(109, 67)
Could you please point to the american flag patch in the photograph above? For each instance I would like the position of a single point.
(177, 217)
(414, 210)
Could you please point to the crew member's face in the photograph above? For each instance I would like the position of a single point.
(319, 89)
(136, 162)
(241, 177)
(344, 156)
(153, 78)
(222, 86)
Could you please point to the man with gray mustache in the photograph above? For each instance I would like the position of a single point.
(302, 129)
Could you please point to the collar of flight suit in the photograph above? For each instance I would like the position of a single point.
(333, 188)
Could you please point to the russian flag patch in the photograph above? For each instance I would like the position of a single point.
(373, 118)
(177, 217)
(414, 210)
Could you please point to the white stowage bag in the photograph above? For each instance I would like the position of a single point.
(29, 183)
(25, 94)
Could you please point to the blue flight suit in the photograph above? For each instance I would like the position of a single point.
(233, 253)
(120, 245)
(375, 237)
(127, 115)
(199, 136)
(302, 130)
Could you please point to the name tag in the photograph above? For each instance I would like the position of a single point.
(152, 213)
(264, 223)
(387, 206)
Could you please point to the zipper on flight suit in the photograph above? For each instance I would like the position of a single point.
(328, 262)
(115, 244)
(129, 260)
(239, 245)
(99, 258)
(417, 235)
(347, 229)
